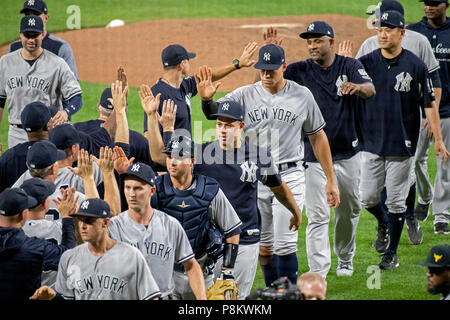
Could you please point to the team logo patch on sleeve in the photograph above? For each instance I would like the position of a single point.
(364, 74)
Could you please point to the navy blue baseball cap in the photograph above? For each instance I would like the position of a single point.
(43, 154)
(14, 200)
(35, 5)
(94, 208)
(230, 109)
(271, 57)
(35, 116)
(38, 189)
(174, 54)
(438, 257)
(317, 29)
(387, 5)
(106, 94)
(180, 146)
(64, 136)
(31, 23)
(141, 171)
(392, 19)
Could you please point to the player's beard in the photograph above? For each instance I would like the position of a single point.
(443, 287)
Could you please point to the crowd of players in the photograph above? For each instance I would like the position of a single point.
(157, 216)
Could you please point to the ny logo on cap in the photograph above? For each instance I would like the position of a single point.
(225, 106)
(31, 2)
(384, 16)
(84, 205)
(266, 56)
(31, 22)
(311, 27)
(135, 167)
(175, 145)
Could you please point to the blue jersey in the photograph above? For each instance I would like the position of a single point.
(181, 96)
(238, 173)
(390, 121)
(138, 143)
(13, 164)
(338, 110)
(440, 42)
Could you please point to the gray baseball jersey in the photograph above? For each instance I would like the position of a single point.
(413, 41)
(277, 121)
(119, 274)
(48, 80)
(65, 177)
(163, 242)
(48, 230)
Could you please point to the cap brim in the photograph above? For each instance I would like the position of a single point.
(191, 55)
(32, 202)
(307, 35)
(267, 66)
(216, 115)
(87, 214)
(125, 175)
(61, 155)
(32, 9)
(431, 264)
(31, 30)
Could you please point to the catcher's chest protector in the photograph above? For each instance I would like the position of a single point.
(189, 207)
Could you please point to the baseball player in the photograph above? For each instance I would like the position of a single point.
(337, 83)
(238, 166)
(36, 224)
(199, 204)
(50, 42)
(389, 139)
(36, 118)
(417, 44)
(157, 235)
(177, 85)
(23, 258)
(103, 268)
(35, 74)
(276, 112)
(436, 27)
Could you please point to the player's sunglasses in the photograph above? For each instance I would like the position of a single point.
(436, 271)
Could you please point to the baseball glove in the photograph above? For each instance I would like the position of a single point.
(223, 290)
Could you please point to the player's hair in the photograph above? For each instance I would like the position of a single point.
(167, 68)
(41, 173)
(104, 111)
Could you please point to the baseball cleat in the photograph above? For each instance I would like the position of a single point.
(389, 261)
(382, 242)
(441, 228)
(414, 231)
(344, 269)
(421, 211)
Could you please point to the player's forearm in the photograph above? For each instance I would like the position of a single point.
(367, 90)
(196, 280)
(433, 118)
(112, 193)
(437, 96)
(90, 189)
(222, 71)
(321, 149)
(233, 239)
(110, 125)
(122, 132)
(155, 142)
(286, 198)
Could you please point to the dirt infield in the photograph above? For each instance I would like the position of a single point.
(99, 51)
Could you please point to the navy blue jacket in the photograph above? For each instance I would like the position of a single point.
(23, 258)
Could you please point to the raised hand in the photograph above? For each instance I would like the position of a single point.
(106, 161)
(149, 103)
(119, 94)
(205, 87)
(246, 59)
(346, 48)
(85, 167)
(121, 162)
(270, 37)
(68, 203)
(168, 115)
(122, 77)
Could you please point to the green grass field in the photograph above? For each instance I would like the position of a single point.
(406, 282)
